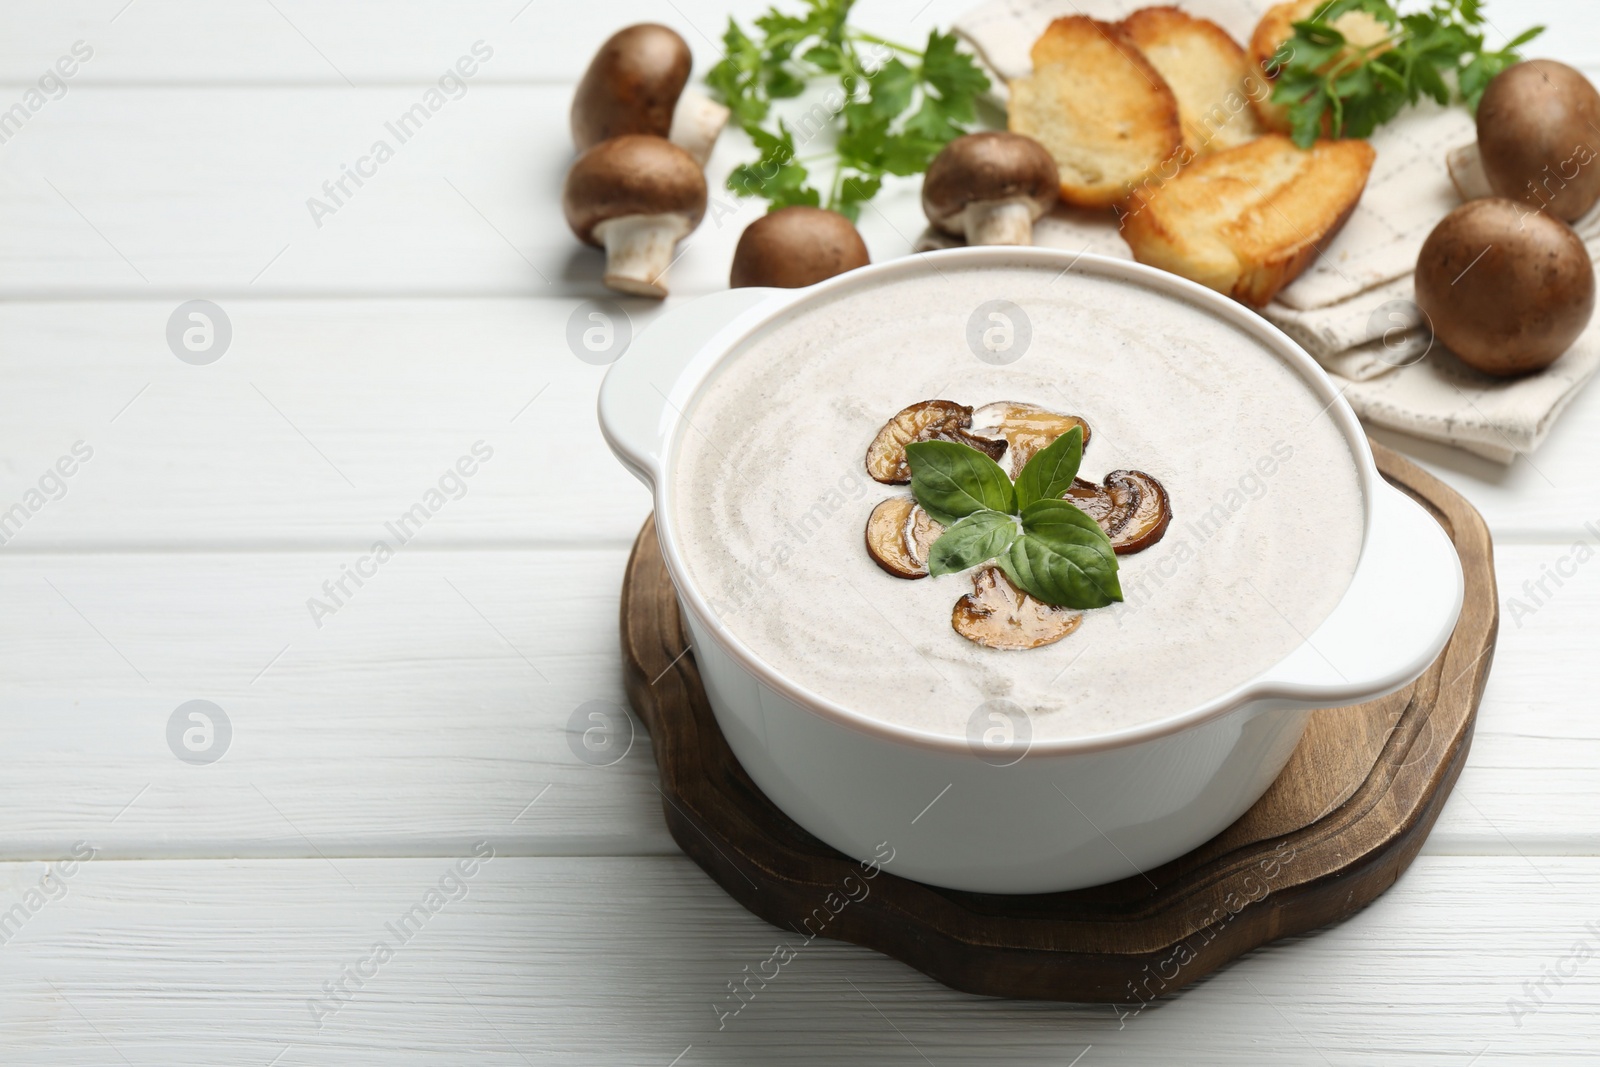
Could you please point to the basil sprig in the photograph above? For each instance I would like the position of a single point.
(975, 539)
(1048, 547)
(951, 480)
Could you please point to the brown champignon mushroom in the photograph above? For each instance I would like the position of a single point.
(990, 187)
(1148, 511)
(926, 420)
(1131, 507)
(921, 531)
(1505, 287)
(1026, 428)
(886, 538)
(635, 84)
(635, 196)
(996, 614)
(794, 247)
(1539, 136)
(899, 535)
(1096, 502)
(1465, 165)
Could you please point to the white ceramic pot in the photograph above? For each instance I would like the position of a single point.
(1068, 813)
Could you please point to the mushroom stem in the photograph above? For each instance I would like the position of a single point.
(1466, 172)
(639, 251)
(697, 121)
(998, 222)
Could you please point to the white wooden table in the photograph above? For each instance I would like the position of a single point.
(228, 913)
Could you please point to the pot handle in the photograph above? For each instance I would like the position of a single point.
(644, 392)
(1395, 618)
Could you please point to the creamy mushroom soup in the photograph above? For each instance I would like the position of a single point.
(771, 497)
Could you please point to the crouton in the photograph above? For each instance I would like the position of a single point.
(1207, 71)
(1360, 30)
(1097, 105)
(1247, 220)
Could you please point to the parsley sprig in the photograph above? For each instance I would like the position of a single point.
(891, 110)
(1050, 548)
(1360, 87)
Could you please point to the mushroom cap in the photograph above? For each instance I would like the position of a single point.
(631, 86)
(1538, 134)
(994, 165)
(632, 175)
(1505, 288)
(796, 246)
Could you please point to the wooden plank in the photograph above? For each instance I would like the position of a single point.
(390, 393)
(1548, 496)
(410, 721)
(628, 961)
(431, 706)
(374, 41)
(1535, 738)
(204, 205)
(321, 422)
(377, 41)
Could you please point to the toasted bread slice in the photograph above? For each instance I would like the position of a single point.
(1247, 220)
(1360, 30)
(1208, 72)
(1099, 108)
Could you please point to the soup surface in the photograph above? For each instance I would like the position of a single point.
(771, 497)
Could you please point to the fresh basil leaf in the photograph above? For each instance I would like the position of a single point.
(975, 539)
(1063, 557)
(952, 479)
(1048, 475)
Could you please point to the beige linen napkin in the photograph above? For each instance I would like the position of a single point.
(1358, 291)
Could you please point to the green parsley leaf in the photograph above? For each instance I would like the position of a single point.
(893, 107)
(892, 86)
(736, 79)
(855, 190)
(777, 175)
(782, 83)
(975, 539)
(1331, 86)
(825, 57)
(907, 153)
(954, 76)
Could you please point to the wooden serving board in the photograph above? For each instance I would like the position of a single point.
(1334, 831)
